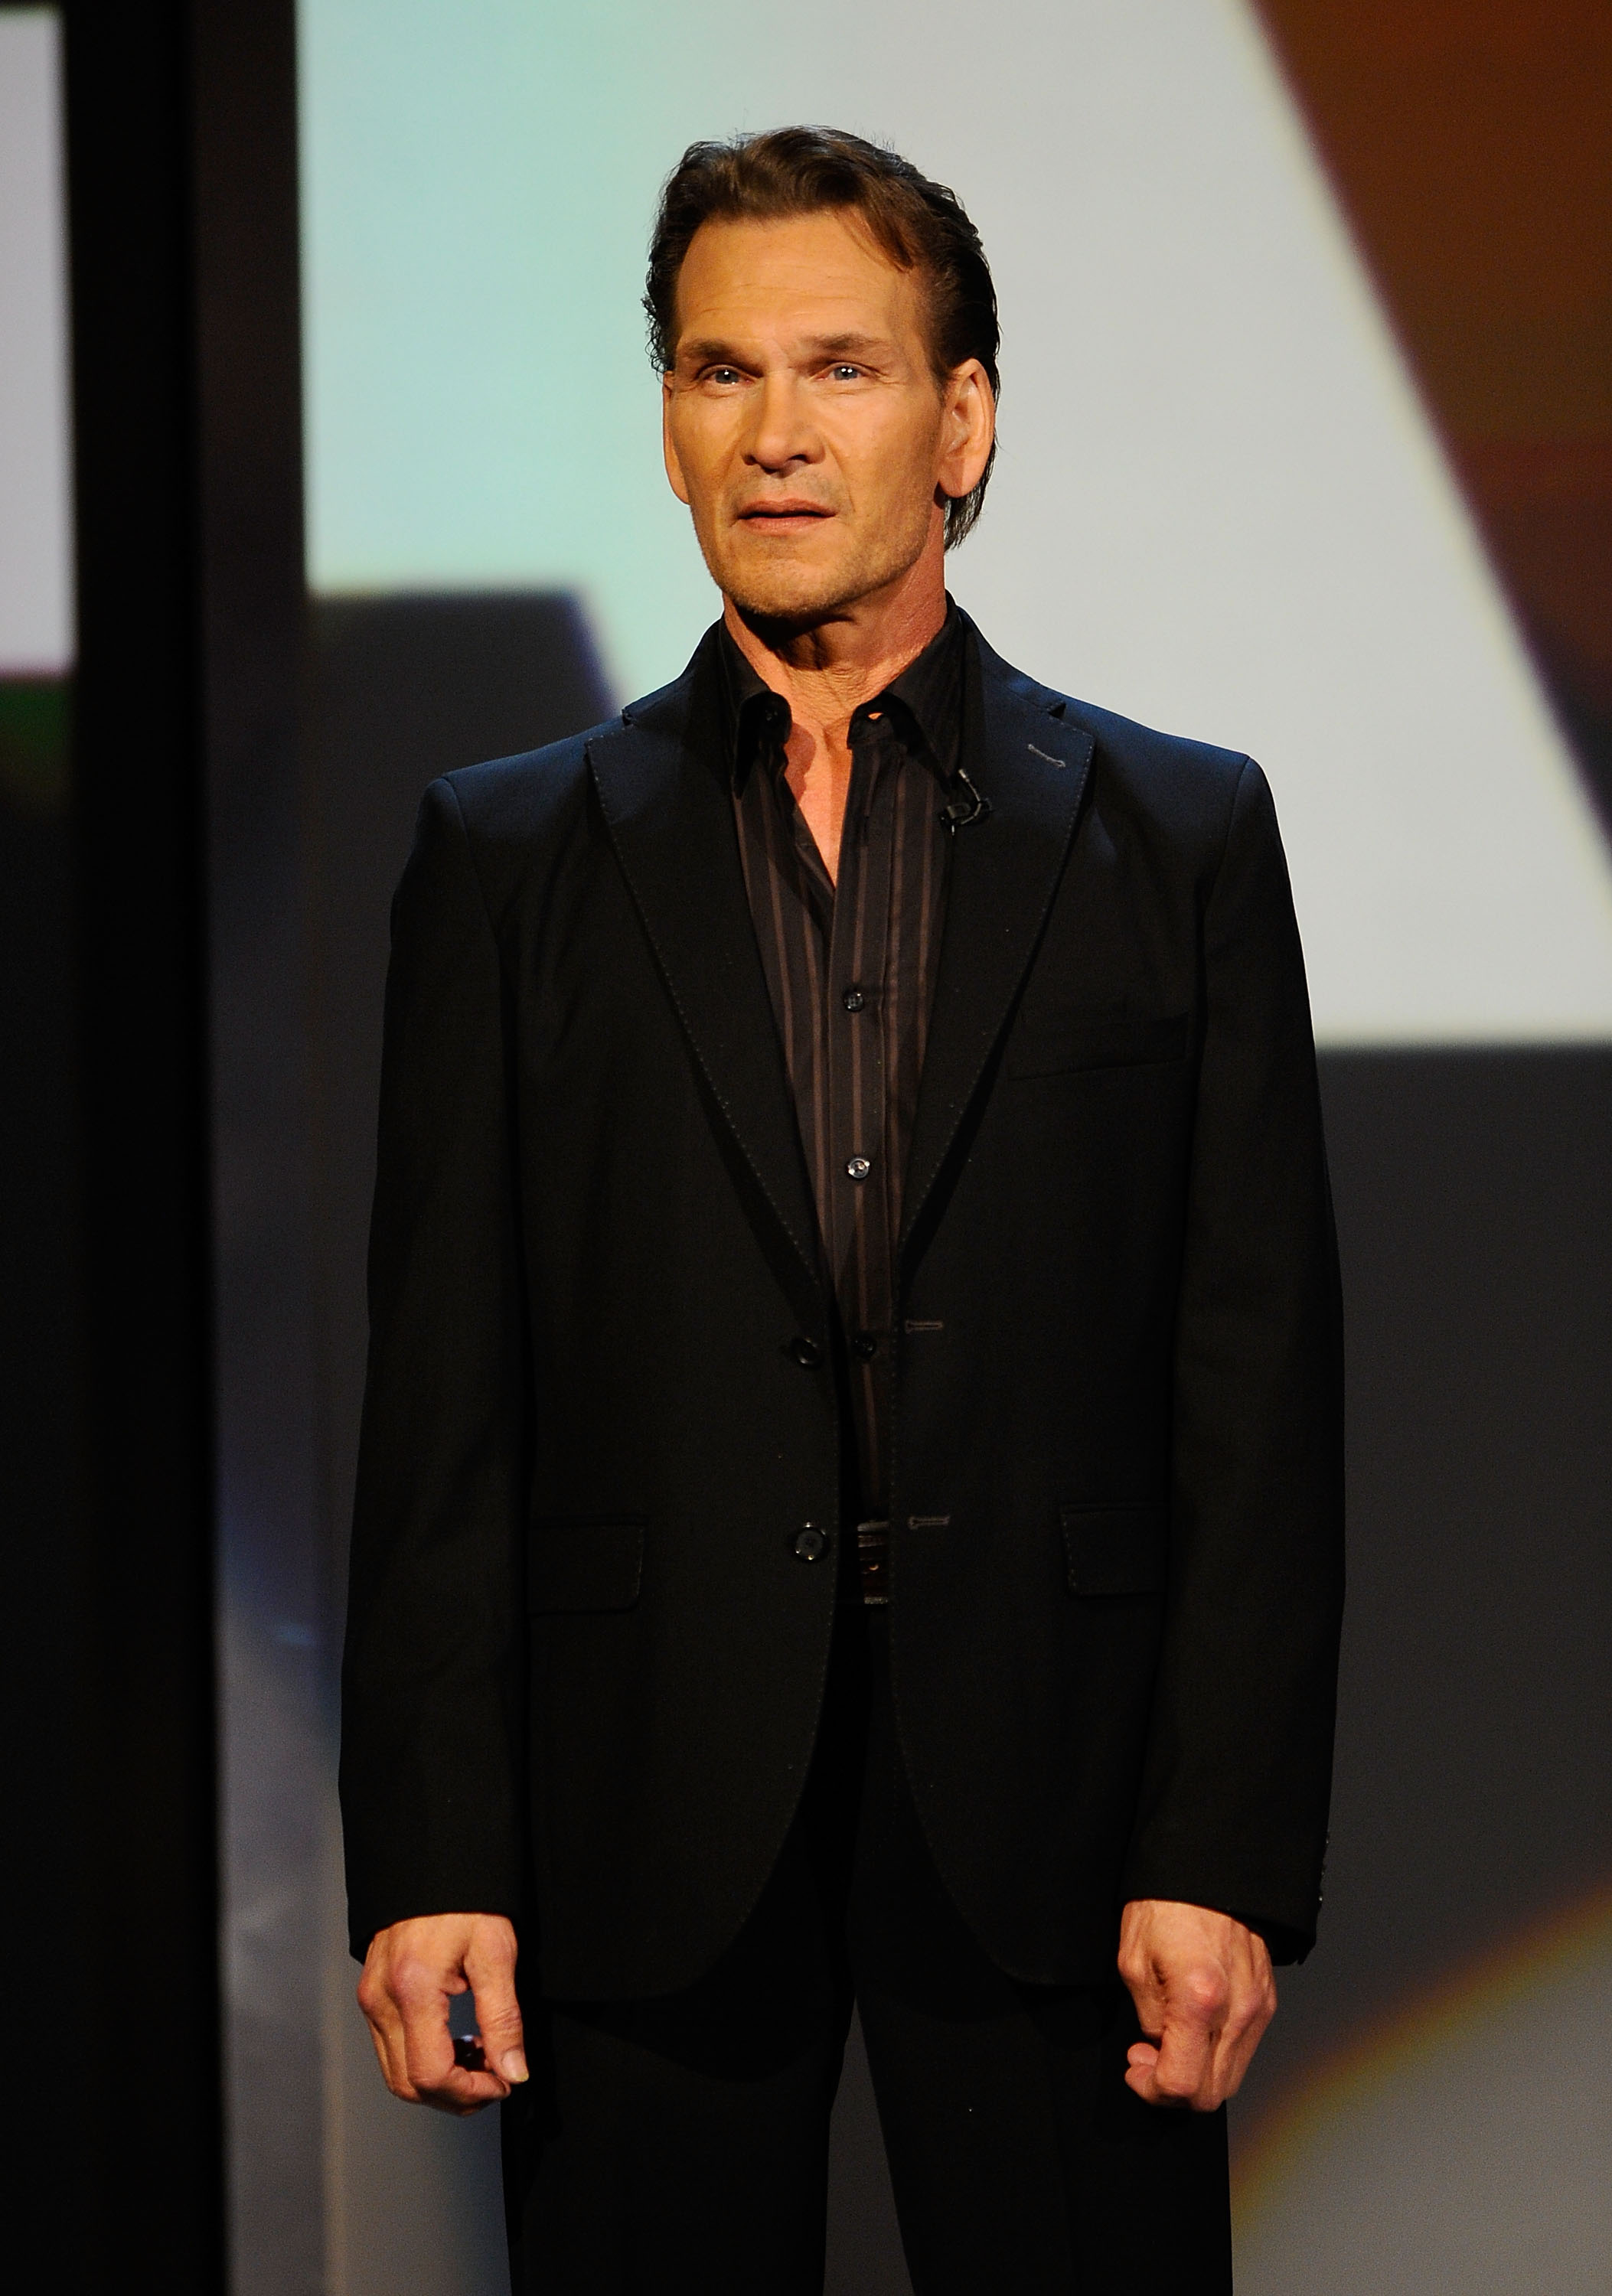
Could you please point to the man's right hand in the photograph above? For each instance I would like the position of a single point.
(411, 1972)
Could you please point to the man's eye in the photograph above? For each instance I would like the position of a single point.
(843, 372)
(722, 374)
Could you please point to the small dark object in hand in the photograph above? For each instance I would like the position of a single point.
(468, 2052)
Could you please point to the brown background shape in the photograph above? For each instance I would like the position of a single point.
(1470, 142)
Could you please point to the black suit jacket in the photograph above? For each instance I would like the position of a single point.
(585, 1659)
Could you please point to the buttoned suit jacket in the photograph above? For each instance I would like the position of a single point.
(587, 1650)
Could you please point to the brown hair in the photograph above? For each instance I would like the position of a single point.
(792, 171)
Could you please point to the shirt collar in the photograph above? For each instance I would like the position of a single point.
(926, 698)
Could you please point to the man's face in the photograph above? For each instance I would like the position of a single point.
(804, 424)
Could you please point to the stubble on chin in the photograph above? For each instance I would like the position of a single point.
(789, 599)
(788, 596)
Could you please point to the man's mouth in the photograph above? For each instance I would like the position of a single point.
(775, 517)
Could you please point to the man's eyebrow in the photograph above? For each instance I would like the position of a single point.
(833, 346)
(710, 350)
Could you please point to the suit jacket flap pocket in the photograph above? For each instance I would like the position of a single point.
(1121, 1548)
(582, 1563)
(1049, 1044)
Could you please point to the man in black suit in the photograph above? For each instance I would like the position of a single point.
(850, 1504)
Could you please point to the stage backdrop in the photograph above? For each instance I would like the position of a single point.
(1223, 505)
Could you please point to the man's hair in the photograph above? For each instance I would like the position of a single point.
(792, 171)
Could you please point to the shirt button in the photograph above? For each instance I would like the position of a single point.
(806, 1352)
(853, 1000)
(865, 1344)
(858, 1168)
(811, 1542)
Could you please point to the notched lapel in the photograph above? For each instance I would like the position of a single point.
(671, 820)
(1033, 767)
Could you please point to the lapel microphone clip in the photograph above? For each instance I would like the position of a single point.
(963, 812)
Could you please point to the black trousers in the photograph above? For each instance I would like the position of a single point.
(682, 2143)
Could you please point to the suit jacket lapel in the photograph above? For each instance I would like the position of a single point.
(670, 814)
(1032, 765)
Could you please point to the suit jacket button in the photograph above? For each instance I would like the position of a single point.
(805, 1351)
(864, 1345)
(811, 1542)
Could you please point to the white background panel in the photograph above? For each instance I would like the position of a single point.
(36, 532)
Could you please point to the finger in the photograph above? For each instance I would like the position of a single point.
(1185, 2054)
(1244, 2027)
(1141, 1982)
(385, 2032)
(377, 2042)
(490, 1967)
(424, 2046)
(434, 2076)
(1141, 2058)
(463, 2092)
(429, 2065)
(1172, 2081)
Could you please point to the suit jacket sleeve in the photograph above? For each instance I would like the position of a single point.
(1233, 1809)
(430, 1787)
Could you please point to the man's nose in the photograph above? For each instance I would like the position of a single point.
(783, 432)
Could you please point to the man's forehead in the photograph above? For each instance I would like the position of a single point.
(821, 275)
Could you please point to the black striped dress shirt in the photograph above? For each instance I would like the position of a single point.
(850, 969)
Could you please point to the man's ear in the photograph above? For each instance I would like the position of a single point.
(969, 429)
(674, 468)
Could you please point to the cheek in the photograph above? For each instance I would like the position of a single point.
(883, 462)
(699, 439)
(907, 478)
(905, 453)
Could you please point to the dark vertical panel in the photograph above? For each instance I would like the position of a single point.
(115, 1644)
(182, 235)
(405, 688)
(48, 1677)
(277, 1694)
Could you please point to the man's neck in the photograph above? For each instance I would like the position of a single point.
(827, 672)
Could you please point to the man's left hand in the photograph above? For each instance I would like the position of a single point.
(1204, 1994)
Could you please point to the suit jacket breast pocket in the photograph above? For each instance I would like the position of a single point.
(1055, 1044)
(1119, 1548)
(584, 1563)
